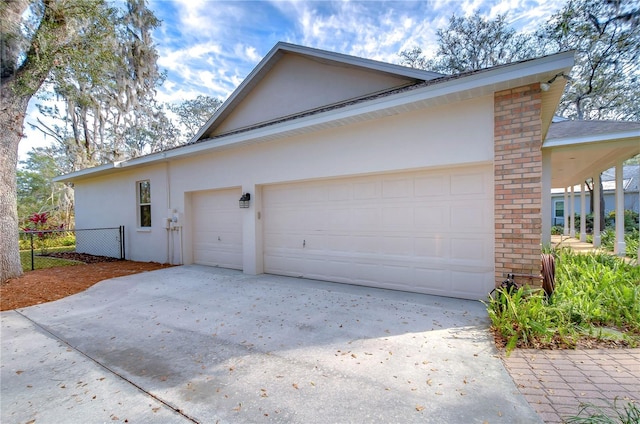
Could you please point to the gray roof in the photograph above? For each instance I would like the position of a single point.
(580, 128)
(630, 175)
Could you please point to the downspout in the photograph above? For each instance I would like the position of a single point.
(166, 219)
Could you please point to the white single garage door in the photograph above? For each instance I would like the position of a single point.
(427, 232)
(217, 228)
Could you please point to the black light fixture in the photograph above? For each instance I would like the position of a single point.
(244, 200)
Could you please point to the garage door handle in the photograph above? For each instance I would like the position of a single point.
(304, 243)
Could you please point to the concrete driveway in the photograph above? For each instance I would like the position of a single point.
(208, 345)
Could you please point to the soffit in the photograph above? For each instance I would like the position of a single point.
(580, 150)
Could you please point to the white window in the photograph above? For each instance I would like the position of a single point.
(558, 216)
(144, 203)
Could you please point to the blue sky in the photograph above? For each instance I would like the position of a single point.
(209, 46)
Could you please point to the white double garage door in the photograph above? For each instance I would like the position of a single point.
(424, 231)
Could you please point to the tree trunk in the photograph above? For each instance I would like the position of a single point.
(12, 112)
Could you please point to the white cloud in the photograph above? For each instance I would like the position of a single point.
(469, 7)
(251, 54)
(208, 47)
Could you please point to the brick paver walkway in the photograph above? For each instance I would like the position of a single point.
(557, 382)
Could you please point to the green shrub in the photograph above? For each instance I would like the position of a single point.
(597, 296)
(524, 318)
(623, 412)
(608, 240)
(598, 289)
(557, 230)
(47, 241)
(630, 219)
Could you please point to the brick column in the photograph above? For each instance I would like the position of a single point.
(518, 180)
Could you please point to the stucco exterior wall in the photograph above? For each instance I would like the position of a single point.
(111, 201)
(423, 138)
(414, 140)
(419, 139)
(317, 85)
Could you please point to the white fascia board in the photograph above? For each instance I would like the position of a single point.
(361, 62)
(240, 89)
(86, 172)
(571, 141)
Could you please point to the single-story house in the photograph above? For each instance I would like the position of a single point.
(332, 167)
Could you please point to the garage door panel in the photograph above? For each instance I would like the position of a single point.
(431, 186)
(365, 218)
(365, 244)
(466, 282)
(434, 279)
(221, 223)
(410, 231)
(366, 190)
(398, 246)
(396, 218)
(339, 192)
(435, 216)
(217, 228)
(214, 255)
(435, 246)
(397, 188)
(340, 243)
(395, 274)
(466, 184)
(469, 250)
(468, 217)
(339, 219)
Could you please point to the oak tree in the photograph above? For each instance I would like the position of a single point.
(67, 45)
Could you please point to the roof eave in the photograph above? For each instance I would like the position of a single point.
(466, 87)
(585, 139)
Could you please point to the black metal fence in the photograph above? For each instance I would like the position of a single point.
(46, 248)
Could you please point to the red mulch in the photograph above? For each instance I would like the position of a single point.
(46, 285)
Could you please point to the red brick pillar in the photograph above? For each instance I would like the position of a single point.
(517, 168)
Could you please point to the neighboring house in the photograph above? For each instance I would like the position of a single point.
(353, 171)
(630, 179)
(585, 149)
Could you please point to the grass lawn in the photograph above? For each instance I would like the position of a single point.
(42, 262)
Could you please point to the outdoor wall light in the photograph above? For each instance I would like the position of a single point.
(244, 200)
(546, 85)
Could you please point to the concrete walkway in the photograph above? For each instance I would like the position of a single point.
(206, 345)
(572, 242)
(557, 382)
